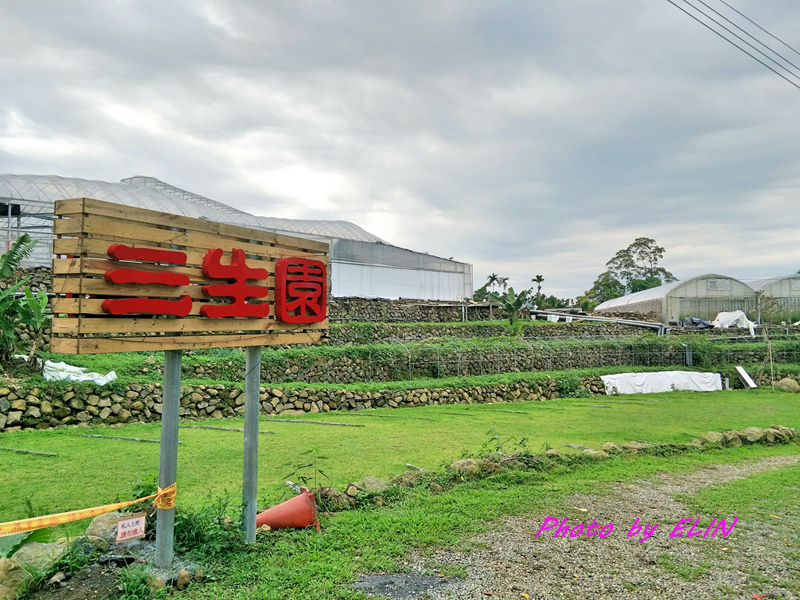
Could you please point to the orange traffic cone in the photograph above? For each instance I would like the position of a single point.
(300, 511)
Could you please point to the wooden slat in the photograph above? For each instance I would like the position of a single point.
(138, 215)
(93, 306)
(98, 248)
(77, 326)
(99, 287)
(63, 345)
(160, 343)
(106, 227)
(97, 267)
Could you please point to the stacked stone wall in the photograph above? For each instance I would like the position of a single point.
(369, 333)
(40, 407)
(383, 363)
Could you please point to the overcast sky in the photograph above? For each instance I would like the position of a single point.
(525, 138)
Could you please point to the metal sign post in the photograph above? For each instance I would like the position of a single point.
(168, 463)
(252, 384)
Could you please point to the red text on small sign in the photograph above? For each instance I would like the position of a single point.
(300, 290)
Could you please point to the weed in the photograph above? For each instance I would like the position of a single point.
(680, 568)
(308, 472)
(133, 584)
(208, 531)
(570, 385)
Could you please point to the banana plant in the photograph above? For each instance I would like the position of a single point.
(512, 303)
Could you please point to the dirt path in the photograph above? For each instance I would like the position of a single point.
(512, 562)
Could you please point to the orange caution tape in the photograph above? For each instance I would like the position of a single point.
(164, 499)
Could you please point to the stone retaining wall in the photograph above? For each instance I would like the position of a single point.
(32, 407)
(405, 311)
(397, 363)
(369, 333)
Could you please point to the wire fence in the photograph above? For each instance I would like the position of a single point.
(458, 357)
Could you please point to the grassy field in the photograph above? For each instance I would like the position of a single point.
(90, 472)
(304, 564)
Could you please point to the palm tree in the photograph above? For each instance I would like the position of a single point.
(503, 281)
(538, 280)
(494, 279)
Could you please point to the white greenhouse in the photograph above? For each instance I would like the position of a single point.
(703, 297)
(779, 298)
(362, 264)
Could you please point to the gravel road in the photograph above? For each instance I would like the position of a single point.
(756, 560)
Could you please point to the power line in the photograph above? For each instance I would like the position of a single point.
(755, 58)
(761, 28)
(747, 33)
(740, 38)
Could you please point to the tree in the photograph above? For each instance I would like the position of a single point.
(637, 265)
(493, 280)
(503, 281)
(605, 287)
(630, 270)
(548, 302)
(538, 279)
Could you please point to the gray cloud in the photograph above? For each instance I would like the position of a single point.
(525, 138)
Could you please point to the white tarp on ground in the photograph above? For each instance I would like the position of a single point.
(661, 381)
(61, 371)
(737, 318)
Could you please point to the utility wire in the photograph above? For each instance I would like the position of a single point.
(748, 34)
(755, 58)
(740, 38)
(761, 28)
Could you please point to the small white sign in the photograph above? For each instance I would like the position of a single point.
(131, 527)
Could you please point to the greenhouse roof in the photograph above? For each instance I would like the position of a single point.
(643, 296)
(762, 284)
(150, 193)
(655, 293)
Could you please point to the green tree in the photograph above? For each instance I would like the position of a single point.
(605, 287)
(538, 279)
(503, 281)
(630, 270)
(637, 265)
(493, 280)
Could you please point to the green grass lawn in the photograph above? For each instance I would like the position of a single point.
(89, 472)
(305, 564)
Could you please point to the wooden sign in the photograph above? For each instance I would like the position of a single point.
(128, 279)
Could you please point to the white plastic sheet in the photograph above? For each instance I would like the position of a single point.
(661, 381)
(61, 371)
(737, 318)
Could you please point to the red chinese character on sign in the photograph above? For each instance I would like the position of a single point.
(126, 306)
(300, 290)
(238, 272)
